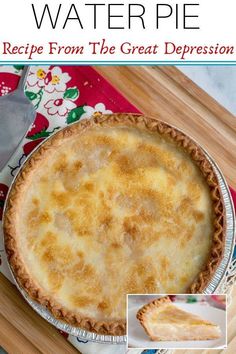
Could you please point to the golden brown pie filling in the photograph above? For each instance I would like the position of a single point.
(111, 210)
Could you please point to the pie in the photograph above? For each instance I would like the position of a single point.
(164, 321)
(113, 205)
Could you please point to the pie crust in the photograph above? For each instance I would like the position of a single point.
(15, 245)
(162, 320)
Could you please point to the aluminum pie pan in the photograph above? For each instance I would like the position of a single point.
(212, 286)
(229, 245)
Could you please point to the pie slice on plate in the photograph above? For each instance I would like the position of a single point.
(164, 321)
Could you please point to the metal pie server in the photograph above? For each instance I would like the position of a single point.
(17, 113)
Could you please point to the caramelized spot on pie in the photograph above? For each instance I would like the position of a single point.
(58, 255)
(103, 306)
(171, 276)
(155, 156)
(88, 271)
(45, 217)
(101, 194)
(106, 221)
(185, 205)
(61, 164)
(183, 279)
(143, 266)
(71, 214)
(65, 255)
(185, 168)
(77, 166)
(116, 245)
(130, 228)
(55, 280)
(198, 215)
(81, 231)
(194, 190)
(35, 201)
(132, 285)
(164, 262)
(145, 216)
(36, 218)
(49, 256)
(101, 140)
(125, 164)
(80, 254)
(75, 270)
(44, 180)
(48, 240)
(89, 186)
(171, 181)
(60, 199)
(81, 301)
(32, 217)
(150, 284)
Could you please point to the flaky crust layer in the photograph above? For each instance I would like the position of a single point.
(141, 314)
(13, 204)
(153, 304)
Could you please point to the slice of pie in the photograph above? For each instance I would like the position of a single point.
(108, 206)
(164, 321)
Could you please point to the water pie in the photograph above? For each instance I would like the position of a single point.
(113, 205)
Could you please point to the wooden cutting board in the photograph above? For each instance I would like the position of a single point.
(166, 93)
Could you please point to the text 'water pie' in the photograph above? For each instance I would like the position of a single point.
(164, 321)
(113, 205)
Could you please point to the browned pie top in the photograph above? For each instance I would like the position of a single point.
(103, 209)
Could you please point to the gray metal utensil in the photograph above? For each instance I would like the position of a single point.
(16, 115)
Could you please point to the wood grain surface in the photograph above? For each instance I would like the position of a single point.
(168, 94)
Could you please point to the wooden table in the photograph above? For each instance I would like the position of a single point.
(171, 96)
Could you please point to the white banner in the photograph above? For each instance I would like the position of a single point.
(118, 31)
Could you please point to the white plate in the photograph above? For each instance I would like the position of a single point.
(137, 337)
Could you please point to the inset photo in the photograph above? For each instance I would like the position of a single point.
(177, 321)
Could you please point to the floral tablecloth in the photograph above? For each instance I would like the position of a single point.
(61, 95)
